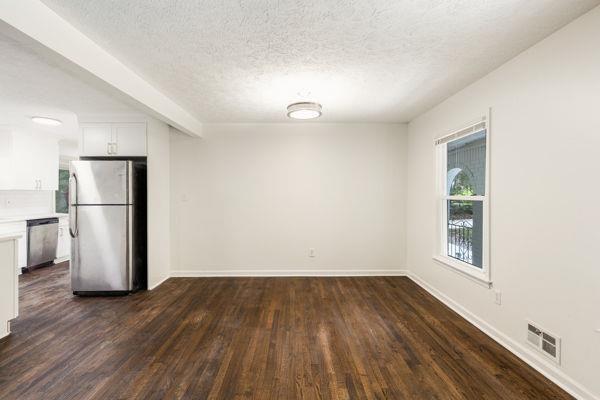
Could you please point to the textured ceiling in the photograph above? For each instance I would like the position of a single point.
(370, 60)
(31, 85)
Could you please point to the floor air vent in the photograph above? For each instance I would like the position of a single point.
(544, 342)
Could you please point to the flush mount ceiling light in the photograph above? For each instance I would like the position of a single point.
(46, 121)
(304, 110)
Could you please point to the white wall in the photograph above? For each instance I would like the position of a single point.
(545, 135)
(159, 246)
(26, 202)
(254, 198)
(68, 151)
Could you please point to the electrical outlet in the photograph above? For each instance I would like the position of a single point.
(311, 252)
(498, 299)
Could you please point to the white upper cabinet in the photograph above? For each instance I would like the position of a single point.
(130, 139)
(95, 140)
(30, 160)
(113, 139)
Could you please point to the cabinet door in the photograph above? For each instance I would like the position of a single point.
(17, 228)
(48, 165)
(130, 139)
(25, 169)
(95, 140)
(30, 161)
(6, 158)
(63, 248)
(8, 285)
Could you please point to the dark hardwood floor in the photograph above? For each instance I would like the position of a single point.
(255, 338)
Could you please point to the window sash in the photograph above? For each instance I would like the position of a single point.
(480, 273)
(443, 250)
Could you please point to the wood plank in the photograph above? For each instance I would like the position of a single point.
(254, 338)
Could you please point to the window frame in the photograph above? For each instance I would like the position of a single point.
(482, 274)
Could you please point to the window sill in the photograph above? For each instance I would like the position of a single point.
(465, 270)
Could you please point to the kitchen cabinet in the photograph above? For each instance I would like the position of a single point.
(63, 248)
(123, 139)
(30, 160)
(95, 140)
(18, 228)
(9, 283)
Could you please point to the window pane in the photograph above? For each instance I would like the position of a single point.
(465, 231)
(62, 194)
(466, 165)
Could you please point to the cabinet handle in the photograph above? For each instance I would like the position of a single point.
(108, 147)
(115, 148)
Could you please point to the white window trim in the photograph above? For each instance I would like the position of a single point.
(482, 275)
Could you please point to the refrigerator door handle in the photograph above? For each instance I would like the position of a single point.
(73, 189)
(130, 246)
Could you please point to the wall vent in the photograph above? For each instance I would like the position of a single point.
(545, 342)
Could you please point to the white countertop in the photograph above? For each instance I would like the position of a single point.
(18, 218)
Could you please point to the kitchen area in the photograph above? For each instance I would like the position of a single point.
(33, 214)
(80, 194)
(32, 196)
(49, 118)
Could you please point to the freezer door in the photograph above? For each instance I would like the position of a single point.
(100, 249)
(100, 182)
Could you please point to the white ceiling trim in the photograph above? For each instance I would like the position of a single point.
(37, 21)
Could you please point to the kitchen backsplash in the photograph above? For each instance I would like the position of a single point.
(24, 202)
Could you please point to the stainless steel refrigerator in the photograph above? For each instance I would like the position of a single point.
(107, 208)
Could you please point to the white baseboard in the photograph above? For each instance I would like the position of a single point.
(522, 351)
(288, 272)
(157, 284)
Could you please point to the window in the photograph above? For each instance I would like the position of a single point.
(62, 194)
(463, 181)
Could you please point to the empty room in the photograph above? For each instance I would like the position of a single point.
(299, 199)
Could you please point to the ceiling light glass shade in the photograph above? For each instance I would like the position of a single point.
(304, 110)
(46, 121)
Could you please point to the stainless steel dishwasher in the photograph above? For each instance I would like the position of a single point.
(42, 238)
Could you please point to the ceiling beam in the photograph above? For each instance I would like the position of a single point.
(49, 33)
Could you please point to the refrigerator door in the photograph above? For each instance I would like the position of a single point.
(100, 249)
(100, 182)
